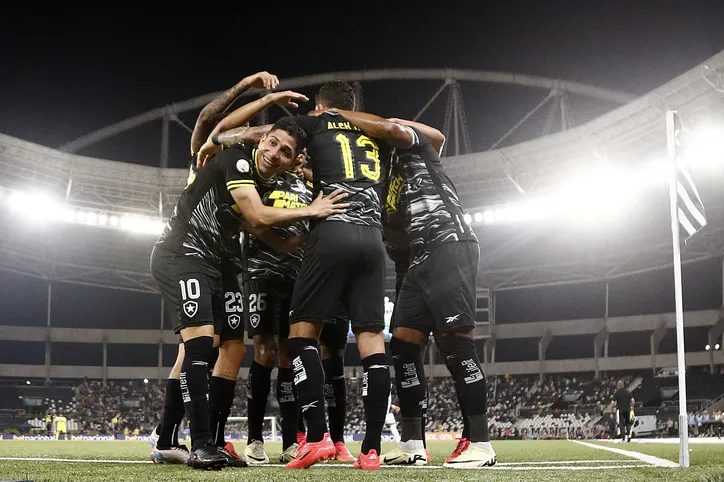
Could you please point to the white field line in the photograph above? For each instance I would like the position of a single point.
(558, 465)
(649, 459)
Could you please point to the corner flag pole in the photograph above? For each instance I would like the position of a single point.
(678, 296)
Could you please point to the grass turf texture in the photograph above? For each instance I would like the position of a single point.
(707, 464)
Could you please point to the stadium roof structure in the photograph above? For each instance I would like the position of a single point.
(38, 182)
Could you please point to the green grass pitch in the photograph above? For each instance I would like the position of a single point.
(517, 461)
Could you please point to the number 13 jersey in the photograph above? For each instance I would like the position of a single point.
(342, 157)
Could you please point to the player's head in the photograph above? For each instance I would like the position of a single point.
(619, 384)
(280, 147)
(337, 94)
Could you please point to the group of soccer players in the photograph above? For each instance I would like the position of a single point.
(303, 211)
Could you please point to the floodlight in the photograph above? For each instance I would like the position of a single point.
(468, 218)
(707, 347)
(478, 217)
(717, 346)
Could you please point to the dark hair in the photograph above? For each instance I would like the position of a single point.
(336, 94)
(291, 126)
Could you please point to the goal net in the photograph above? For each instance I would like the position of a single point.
(241, 425)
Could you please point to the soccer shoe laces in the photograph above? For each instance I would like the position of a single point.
(462, 446)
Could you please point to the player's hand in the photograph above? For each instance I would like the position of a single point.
(325, 206)
(263, 80)
(207, 151)
(287, 98)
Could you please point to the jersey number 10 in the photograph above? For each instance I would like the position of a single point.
(372, 152)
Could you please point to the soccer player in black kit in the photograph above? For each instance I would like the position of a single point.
(438, 293)
(624, 403)
(343, 262)
(192, 255)
(164, 439)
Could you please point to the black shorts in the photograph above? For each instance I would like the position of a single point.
(438, 295)
(267, 306)
(343, 263)
(201, 293)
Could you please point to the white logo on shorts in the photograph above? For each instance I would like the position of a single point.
(450, 319)
(234, 321)
(242, 165)
(190, 308)
(254, 320)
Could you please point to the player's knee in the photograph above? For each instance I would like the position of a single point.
(266, 350)
(404, 349)
(198, 350)
(334, 364)
(410, 335)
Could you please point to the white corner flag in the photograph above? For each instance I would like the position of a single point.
(687, 218)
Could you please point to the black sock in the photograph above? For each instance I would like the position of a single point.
(423, 419)
(411, 387)
(466, 370)
(221, 397)
(301, 427)
(335, 393)
(375, 395)
(194, 384)
(258, 386)
(288, 408)
(309, 382)
(173, 413)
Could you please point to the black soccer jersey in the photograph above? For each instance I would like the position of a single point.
(344, 158)
(419, 189)
(288, 192)
(206, 221)
(623, 399)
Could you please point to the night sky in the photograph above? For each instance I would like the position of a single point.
(67, 72)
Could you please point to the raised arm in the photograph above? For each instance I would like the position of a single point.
(394, 134)
(437, 139)
(239, 117)
(204, 123)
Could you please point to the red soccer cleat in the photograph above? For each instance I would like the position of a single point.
(312, 452)
(463, 444)
(343, 454)
(371, 461)
(301, 438)
(427, 454)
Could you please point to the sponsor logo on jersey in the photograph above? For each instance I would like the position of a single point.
(190, 308)
(242, 165)
(254, 320)
(234, 321)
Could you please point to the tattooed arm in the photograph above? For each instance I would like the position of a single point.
(242, 115)
(205, 121)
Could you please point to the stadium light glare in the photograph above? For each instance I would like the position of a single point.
(707, 347)
(468, 218)
(113, 221)
(717, 346)
(91, 217)
(704, 147)
(102, 219)
(478, 217)
(489, 216)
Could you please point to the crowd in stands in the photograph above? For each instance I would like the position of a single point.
(518, 407)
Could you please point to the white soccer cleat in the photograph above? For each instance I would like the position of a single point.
(411, 452)
(153, 439)
(254, 453)
(174, 455)
(289, 454)
(476, 455)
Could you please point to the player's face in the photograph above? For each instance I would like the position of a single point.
(277, 151)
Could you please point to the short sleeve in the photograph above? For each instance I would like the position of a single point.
(236, 164)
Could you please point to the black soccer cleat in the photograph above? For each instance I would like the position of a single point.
(232, 458)
(208, 457)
